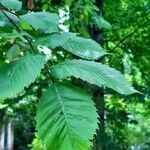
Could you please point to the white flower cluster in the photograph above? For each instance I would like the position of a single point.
(45, 50)
(64, 16)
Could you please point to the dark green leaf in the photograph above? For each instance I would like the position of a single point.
(19, 74)
(94, 73)
(66, 118)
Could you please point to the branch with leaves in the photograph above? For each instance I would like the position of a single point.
(67, 117)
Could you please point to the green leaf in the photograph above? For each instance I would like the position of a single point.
(102, 23)
(94, 73)
(5, 21)
(2, 106)
(44, 21)
(84, 48)
(10, 35)
(68, 2)
(66, 118)
(24, 25)
(55, 40)
(19, 74)
(2, 23)
(13, 52)
(12, 4)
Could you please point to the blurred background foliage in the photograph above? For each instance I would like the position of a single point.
(126, 36)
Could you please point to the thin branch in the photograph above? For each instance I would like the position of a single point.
(18, 29)
(28, 40)
(30, 43)
(12, 22)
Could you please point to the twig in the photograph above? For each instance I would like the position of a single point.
(28, 40)
(12, 22)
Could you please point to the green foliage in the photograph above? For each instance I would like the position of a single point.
(13, 52)
(37, 144)
(94, 73)
(4, 20)
(12, 4)
(19, 74)
(66, 118)
(55, 40)
(102, 23)
(128, 40)
(85, 48)
(46, 22)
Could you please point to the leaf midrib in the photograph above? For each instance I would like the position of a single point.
(66, 120)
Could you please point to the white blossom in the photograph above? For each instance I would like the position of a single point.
(65, 28)
(45, 50)
(64, 15)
